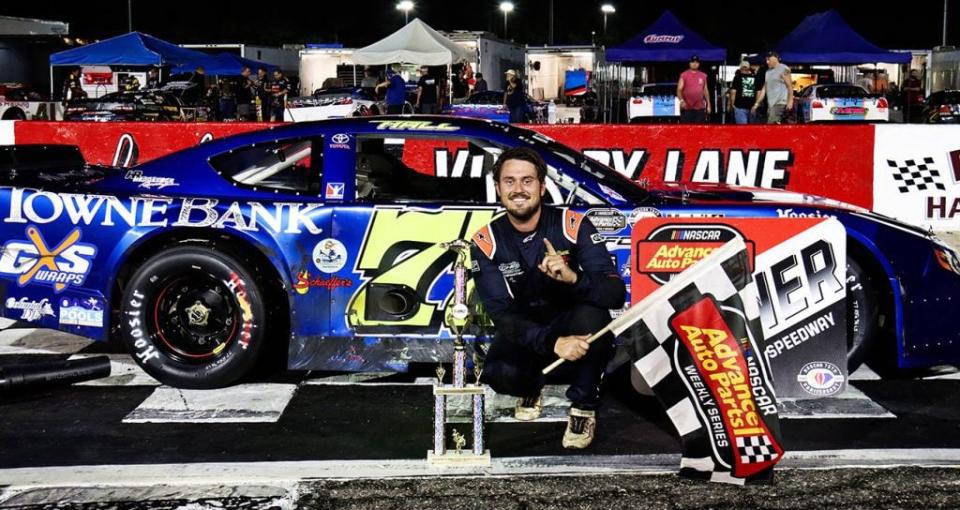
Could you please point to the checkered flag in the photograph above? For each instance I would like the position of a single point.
(756, 449)
(913, 175)
(697, 343)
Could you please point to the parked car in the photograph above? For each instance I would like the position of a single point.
(175, 101)
(21, 102)
(942, 107)
(334, 103)
(489, 105)
(319, 243)
(841, 102)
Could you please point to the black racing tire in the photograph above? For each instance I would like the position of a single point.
(863, 314)
(193, 317)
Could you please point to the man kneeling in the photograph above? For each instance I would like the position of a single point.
(546, 279)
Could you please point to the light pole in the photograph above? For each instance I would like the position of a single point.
(607, 10)
(406, 6)
(129, 15)
(943, 41)
(507, 8)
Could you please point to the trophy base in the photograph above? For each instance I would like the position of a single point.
(464, 458)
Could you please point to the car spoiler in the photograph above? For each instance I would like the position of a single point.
(32, 159)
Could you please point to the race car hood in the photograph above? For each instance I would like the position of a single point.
(703, 193)
(723, 194)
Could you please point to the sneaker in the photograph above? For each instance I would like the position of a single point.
(581, 426)
(528, 408)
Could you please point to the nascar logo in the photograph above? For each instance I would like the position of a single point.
(68, 263)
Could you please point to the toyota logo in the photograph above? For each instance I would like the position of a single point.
(340, 138)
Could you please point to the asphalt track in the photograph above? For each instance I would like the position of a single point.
(370, 439)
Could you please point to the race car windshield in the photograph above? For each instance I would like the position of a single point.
(606, 176)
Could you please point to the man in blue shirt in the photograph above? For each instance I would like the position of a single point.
(396, 91)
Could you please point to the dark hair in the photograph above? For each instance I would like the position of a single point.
(479, 75)
(523, 154)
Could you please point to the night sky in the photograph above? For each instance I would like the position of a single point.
(740, 26)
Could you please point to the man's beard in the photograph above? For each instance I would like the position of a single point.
(525, 212)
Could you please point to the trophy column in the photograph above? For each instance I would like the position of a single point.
(457, 321)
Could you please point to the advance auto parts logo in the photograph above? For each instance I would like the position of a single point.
(672, 249)
(820, 378)
(33, 261)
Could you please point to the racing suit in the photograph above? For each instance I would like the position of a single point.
(530, 311)
(278, 98)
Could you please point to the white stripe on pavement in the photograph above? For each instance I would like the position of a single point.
(243, 403)
(40, 341)
(124, 371)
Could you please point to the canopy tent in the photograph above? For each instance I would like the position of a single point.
(415, 43)
(826, 38)
(135, 49)
(227, 64)
(666, 40)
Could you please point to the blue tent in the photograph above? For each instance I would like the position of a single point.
(666, 40)
(134, 49)
(227, 64)
(826, 38)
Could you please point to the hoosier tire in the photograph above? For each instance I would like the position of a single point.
(193, 317)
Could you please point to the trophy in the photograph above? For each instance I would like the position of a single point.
(457, 319)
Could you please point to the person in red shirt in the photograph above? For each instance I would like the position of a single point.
(693, 94)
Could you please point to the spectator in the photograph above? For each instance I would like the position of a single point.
(893, 96)
(131, 83)
(777, 90)
(278, 95)
(72, 89)
(153, 78)
(912, 96)
(396, 91)
(228, 100)
(514, 98)
(636, 86)
(693, 93)
(262, 98)
(428, 92)
(480, 85)
(468, 78)
(369, 78)
(244, 94)
(743, 93)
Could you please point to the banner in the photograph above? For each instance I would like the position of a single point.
(916, 175)
(831, 161)
(696, 342)
(800, 270)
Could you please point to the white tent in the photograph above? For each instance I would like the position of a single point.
(415, 43)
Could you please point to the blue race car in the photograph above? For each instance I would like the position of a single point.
(320, 243)
(489, 105)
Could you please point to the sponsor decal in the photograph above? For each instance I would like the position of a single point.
(143, 350)
(658, 39)
(334, 191)
(808, 331)
(81, 312)
(32, 261)
(474, 266)
(304, 283)
(598, 239)
(848, 110)
(719, 360)
(607, 221)
(820, 378)
(239, 288)
(150, 182)
(954, 160)
(330, 255)
(790, 213)
(30, 311)
(414, 125)
(43, 207)
(642, 212)
(510, 269)
(671, 249)
(340, 141)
